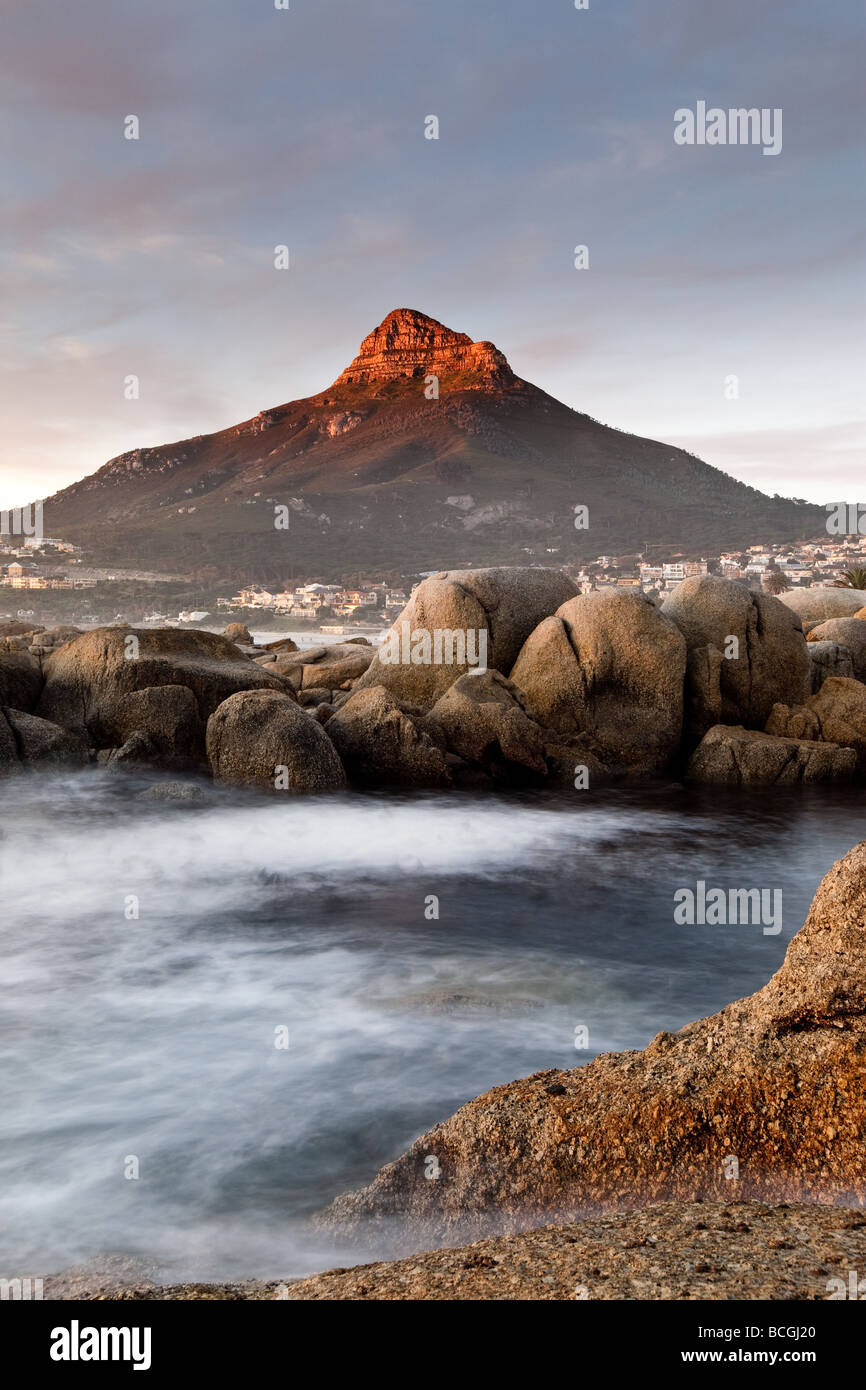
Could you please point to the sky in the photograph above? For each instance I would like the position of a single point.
(305, 127)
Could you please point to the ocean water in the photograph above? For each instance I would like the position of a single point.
(154, 960)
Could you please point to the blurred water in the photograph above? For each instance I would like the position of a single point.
(155, 1037)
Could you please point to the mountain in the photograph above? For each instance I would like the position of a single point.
(381, 473)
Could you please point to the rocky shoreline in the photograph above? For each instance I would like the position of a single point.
(490, 678)
(691, 1250)
(738, 1135)
(723, 1161)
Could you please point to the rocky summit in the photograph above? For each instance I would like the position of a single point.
(409, 344)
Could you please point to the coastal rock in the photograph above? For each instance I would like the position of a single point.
(828, 659)
(9, 763)
(765, 1100)
(341, 662)
(849, 633)
(41, 744)
(820, 602)
(739, 757)
(139, 751)
(44, 643)
(835, 714)
(750, 653)
(282, 644)
(608, 668)
(238, 633)
(20, 680)
(570, 765)
(169, 715)
(505, 604)
(260, 738)
(483, 719)
(86, 680)
(313, 696)
(715, 1251)
(14, 627)
(380, 745)
(692, 1250)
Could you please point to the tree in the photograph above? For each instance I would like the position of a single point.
(775, 582)
(852, 579)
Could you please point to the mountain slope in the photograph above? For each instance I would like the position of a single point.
(379, 473)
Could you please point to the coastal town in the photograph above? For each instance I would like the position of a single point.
(34, 563)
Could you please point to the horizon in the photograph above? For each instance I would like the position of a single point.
(155, 256)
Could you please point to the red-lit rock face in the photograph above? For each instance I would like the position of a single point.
(408, 344)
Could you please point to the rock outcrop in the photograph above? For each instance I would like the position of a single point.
(327, 667)
(828, 659)
(836, 714)
(819, 602)
(503, 604)
(30, 743)
(714, 1251)
(20, 679)
(382, 746)
(260, 738)
(747, 653)
(168, 715)
(87, 679)
(608, 668)
(738, 757)
(765, 1100)
(483, 720)
(42, 744)
(409, 344)
(849, 633)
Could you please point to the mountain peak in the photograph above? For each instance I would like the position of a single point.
(408, 343)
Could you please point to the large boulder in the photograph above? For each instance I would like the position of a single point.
(502, 604)
(849, 633)
(380, 744)
(738, 757)
(608, 668)
(320, 668)
(764, 1101)
(86, 680)
(828, 659)
(331, 666)
(168, 715)
(9, 760)
(20, 678)
(747, 652)
(47, 640)
(483, 720)
(260, 738)
(820, 602)
(238, 633)
(28, 742)
(835, 714)
(14, 627)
